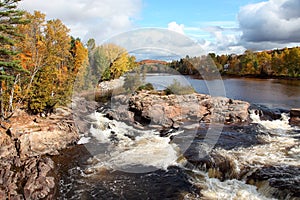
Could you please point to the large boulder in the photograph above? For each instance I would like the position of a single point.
(156, 108)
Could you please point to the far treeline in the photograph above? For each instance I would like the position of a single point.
(41, 64)
(272, 63)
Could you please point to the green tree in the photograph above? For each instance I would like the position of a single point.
(10, 68)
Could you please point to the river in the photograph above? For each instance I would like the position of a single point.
(272, 92)
(256, 161)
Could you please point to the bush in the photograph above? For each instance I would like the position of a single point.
(177, 88)
(147, 86)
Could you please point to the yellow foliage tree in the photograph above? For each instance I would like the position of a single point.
(111, 61)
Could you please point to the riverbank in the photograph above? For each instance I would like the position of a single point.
(26, 144)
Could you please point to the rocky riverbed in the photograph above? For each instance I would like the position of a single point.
(28, 169)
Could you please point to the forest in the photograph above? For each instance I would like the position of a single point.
(40, 62)
(266, 64)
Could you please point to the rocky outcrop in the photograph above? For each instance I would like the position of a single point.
(108, 86)
(24, 170)
(295, 116)
(148, 108)
(27, 180)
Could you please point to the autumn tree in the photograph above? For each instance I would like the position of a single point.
(249, 63)
(292, 62)
(80, 63)
(32, 48)
(264, 63)
(10, 68)
(110, 61)
(52, 85)
(53, 60)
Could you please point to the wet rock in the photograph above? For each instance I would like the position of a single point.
(295, 116)
(285, 180)
(266, 113)
(215, 163)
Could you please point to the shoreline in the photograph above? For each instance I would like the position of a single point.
(226, 76)
(27, 143)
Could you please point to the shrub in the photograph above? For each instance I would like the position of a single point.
(147, 86)
(177, 88)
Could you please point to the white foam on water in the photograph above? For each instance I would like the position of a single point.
(273, 153)
(212, 188)
(146, 149)
(231, 189)
(279, 124)
(83, 140)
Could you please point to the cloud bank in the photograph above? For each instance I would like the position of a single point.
(90, 18)
(265, 25)
(270, 24)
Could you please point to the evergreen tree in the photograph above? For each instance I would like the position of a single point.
(10, 67)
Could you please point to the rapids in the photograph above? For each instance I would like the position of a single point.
(118, 161)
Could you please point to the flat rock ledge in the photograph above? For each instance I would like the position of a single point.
(25, 143)
(167, 111)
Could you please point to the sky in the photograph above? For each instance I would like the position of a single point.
(220, 26)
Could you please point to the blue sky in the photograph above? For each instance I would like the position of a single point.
(221, 26)
(195, 16)
(189, 12)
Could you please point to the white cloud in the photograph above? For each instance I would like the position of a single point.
(217, 36)
(225, 40)
(90, 18)
(157, 42)
(270, 24)
(179, 28)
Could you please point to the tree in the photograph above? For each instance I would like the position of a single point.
(277, 63)
(53, 60)
(292, 62)
(32, 47)
(110, 61)
(264, 61)
(80, 65)
(10, 68)
(249, 63)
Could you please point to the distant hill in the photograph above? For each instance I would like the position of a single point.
(151, 62)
